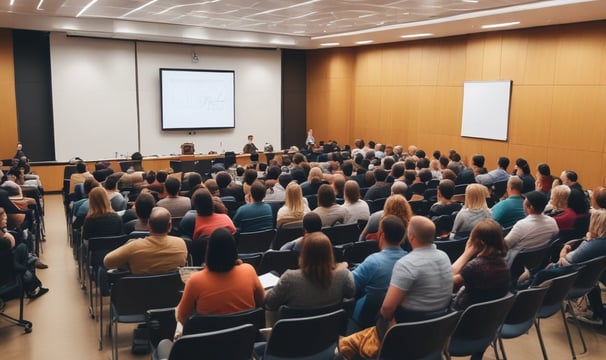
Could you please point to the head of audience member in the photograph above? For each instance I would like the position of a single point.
(338, 184)
(194, 180)
(410, 164)
(412, 150)
(391, 231)
(326, 196)
(223, 179)
(81, 167)
(90, 184)
(202, 202)
(159, 221)
(503, 162)
(98, 203)
(424, 175)
(347, 168)
(420, 154)
(257, 191)
(273, 172)
(478, 160)
(577, 202)
(285, 179)
(250, 175)
(410, 176)
(544, 170)
(161, 176)
(568, 177)
(150, 177)
(487, 235)
(423, 163)
(448, 174)
(397, 170)
(371, 144)
(111, 182)
(446, 189)
(143, 206)
(598, 198)
(399, 188)
(351, 192)
(522, 167)
(597, 224)
(443, 162)
(298, 175)
(380, 174)
(434, 165)
(359, 143)
(398, 150)
(172, 186)
(514, 186)
(316, 260)
(559, 197)
(398, 205)
(535, 202)
(211, 185)
(436, 154)
(306, 168)
(421, 231)
(293, 199)
(221, 251)
(312, 222)
(475, 196)
(298, 158)
(315, 175)
(388, 163)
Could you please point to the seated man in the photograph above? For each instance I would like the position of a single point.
(143, 207)
(372, 276)
(497, 175)
(116, 199)
(507, 212)
(420, 288)
(445, 205)
(311, 223)
(157, 253)
(255, 215)
(175, 204)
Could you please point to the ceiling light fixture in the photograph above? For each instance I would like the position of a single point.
(416, 35)
(86, 8)
(330, 44)
(363, 42)
(492, 26)
(12, 2)
(139, 8)
(39, 4)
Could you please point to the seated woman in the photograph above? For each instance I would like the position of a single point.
(474, 210)
(329, 211)
(558, 201)
(394, 205)
(318, 282)
(294, 207)
(225, 285)
(314, 180)
(358, 208)
(101, 219)
(487, 276)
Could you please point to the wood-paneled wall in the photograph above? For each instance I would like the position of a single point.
(8, 107)
(412, 93)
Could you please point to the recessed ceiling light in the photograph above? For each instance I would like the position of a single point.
(139, 8)
(86, 8)
(330, 44)
(39, 4)
(416, 35)
(471, 1)
(12, 2)
(492, 26)
(364, 42)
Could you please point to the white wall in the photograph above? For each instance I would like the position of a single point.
(95, 97)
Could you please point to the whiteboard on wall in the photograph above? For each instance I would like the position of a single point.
(486, 109)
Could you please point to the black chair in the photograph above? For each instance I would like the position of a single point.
(419, 207)
(287, 232)
(478, 326)
(232, 206)
(161, 324)
(433, 183)
(589, 273)
(499, 189)
(234, 343)
(278, 261)
(321, 335)
(356, 253)
(453, 248)
(275, 206)
(342, 233)
(11, 286)
(533, 260)
(252, 259)
(444, 224)
(203, 167)
(201, 323)
(133, 296)
(255, 242)
(522, 315)
(230, 159)
(552, 303)
(418, 340)
(460, 189)
(431, 195)
(376, 205)
(418, 188)
(196, 249)
(312, 201)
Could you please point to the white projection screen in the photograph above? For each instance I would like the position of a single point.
(197, 99)
(486, 109)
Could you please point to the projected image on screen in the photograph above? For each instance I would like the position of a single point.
(197, 99)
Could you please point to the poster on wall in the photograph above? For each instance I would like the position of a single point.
(486, 109)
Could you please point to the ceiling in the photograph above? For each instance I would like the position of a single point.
(288, 23)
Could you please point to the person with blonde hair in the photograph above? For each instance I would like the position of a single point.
(294, 207)
(318, 282)
(394, 205)
(101, 219)
(474, 210)
(358, 208)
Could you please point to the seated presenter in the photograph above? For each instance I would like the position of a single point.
(250, 147)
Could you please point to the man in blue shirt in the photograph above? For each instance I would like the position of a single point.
(372, 276)
(507, 212)
(255, 215)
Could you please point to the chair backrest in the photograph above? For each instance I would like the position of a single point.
(275, 206)
(526, 305)
(254, 259)
(161, 324)
(307, 336)
(453, 248)
(420, 339)
(138, 234)
(431, 195)
(201, 323)
(234, 343)
(98, 247)
(9, 281)
(444, 224)
(556, 294)
(342, 233)
(499, 189)
(376, 205)
(134, 295)
(312, 201)
(287, 232)
(278, 261)
(478, 326)
(533, 260)
(589, 274)
(358, 251)
(419, 207)
(460, 189)
(255, 242)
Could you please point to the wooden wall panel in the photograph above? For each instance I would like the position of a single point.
(558, 103)
(8, 102)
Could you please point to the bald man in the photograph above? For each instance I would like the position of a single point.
(420, 288)
(158, 253)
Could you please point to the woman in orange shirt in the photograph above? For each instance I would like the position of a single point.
(225, 285)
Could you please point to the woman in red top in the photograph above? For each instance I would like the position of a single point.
(544, 178)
